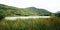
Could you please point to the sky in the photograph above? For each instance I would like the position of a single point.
(50, 5)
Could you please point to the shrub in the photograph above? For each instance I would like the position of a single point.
(1, 17)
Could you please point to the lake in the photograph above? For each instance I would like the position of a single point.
(25, 17)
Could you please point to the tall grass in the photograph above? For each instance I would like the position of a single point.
(31, 24)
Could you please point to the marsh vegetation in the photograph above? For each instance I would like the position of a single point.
(31, 24)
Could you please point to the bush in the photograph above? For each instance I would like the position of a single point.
(2, 14)
(1, 17)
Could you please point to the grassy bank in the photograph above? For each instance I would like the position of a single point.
(31, 24)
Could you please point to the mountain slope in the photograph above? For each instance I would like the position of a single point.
(13, 11)
(39, 11)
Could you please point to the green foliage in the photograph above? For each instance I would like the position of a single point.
(52, 23)
(2, 14)
(31, 11)
(1, 17)
(41, 12)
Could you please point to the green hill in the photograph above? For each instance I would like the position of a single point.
(30, 11)
(42, 12)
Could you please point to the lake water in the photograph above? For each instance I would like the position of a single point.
(25, 17)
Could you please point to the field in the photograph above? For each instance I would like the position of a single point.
(31, 24)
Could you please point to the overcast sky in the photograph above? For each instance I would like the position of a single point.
(50, 5)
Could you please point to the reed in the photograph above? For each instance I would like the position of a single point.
(31, 24)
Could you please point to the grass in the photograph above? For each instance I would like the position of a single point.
(31, 24)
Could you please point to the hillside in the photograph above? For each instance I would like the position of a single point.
(30, 11)
(42, 12)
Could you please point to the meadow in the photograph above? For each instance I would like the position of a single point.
(52, 23)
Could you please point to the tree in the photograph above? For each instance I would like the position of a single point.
(1, 17)
(2, 14)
